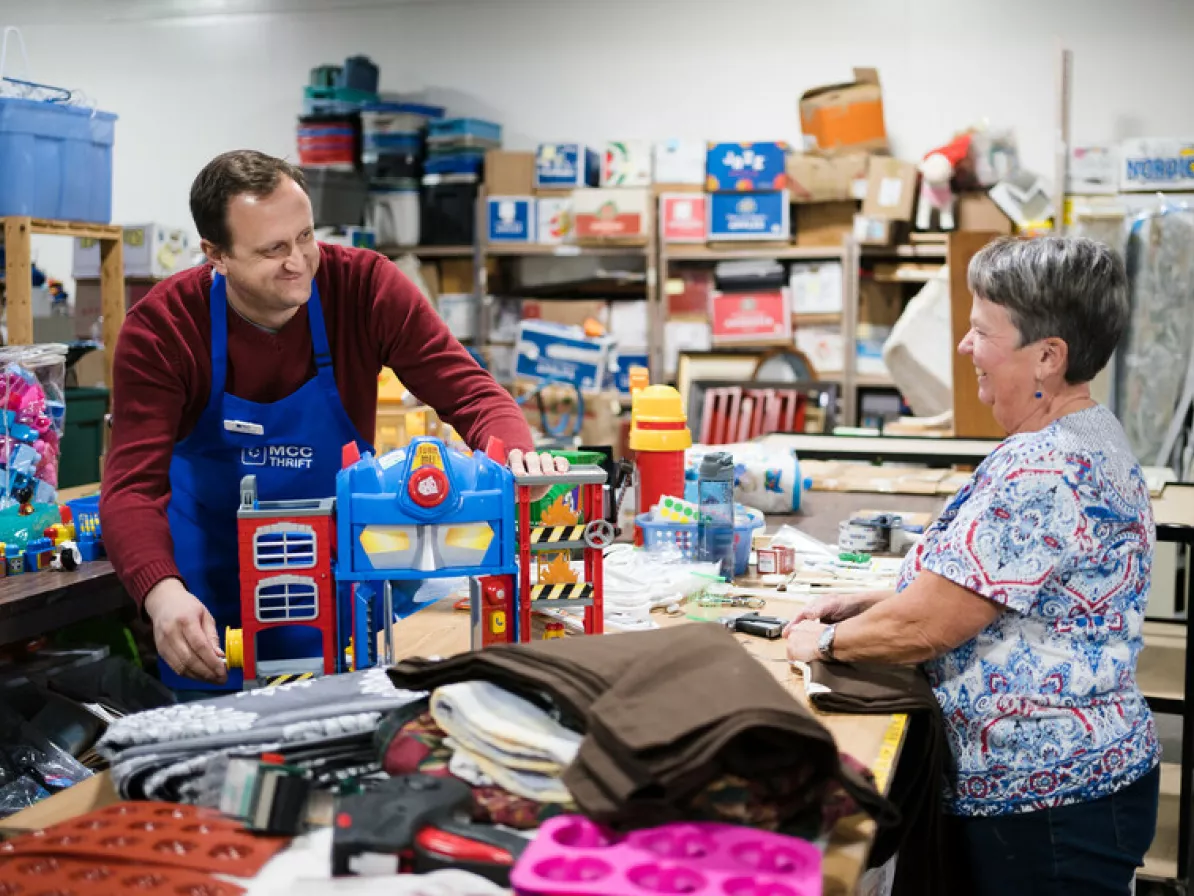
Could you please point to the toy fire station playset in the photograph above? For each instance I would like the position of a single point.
(428, 510)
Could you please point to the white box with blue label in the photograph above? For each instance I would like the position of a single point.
(560, 353)
(680, 162)
(749, 216)
(1156, 163)
(512, 219)
(559, 166)
(732, 167)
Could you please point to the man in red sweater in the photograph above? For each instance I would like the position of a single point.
(270, 352)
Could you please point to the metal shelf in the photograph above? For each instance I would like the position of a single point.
(427, 251)
(686, 252)
(565, 250)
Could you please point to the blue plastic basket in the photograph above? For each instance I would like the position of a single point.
(658, 533)
(55, 161)
(85, 510)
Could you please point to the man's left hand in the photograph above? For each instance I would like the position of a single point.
(802, 638)
(535, 463)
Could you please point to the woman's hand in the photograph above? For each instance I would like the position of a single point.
(803, 638)
(836, 607)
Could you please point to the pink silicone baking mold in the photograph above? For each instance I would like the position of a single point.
(573, 856)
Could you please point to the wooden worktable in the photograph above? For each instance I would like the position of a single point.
(439, 630)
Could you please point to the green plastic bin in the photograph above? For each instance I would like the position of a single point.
(83, 437)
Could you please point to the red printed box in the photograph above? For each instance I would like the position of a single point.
(755, 317)
(683, 217)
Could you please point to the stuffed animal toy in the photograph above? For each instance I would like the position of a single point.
(936, 183)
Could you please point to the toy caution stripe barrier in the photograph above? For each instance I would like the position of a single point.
(290, 678)
(566, 591)
(553, 534)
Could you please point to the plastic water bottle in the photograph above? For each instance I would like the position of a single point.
(715, 530)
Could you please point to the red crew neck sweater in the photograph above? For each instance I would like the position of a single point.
(162, 380)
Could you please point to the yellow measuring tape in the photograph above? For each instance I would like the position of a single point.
(888, 750)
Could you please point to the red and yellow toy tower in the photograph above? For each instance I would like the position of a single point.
(557, 584)
(659, 436)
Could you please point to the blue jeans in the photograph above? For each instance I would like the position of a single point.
(1086, 849)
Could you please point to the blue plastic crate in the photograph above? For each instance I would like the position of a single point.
(85, 510)
(55, 161)
(659, 533)
(465, 127)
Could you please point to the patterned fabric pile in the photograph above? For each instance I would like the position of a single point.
(178, 753)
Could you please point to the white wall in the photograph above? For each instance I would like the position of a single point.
(191, 79)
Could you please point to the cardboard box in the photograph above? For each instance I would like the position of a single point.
(1093, 170)
(555, 219)
(429, 271)
(459, 312)
(512, 219)
(816, 287)
(824, 223)
(612, 213)
(749, 216)
(680, 162)
(626, 163)
(1157, 163)
(756, 318)
(977, 211)
(560, 165)
(879, 304)
(870, 231)
(509, 173)
(547, 351)
(150, 250)
(842, 117)
(825, 348)
(628, 324)
(565, 311)
(602, 420)
(88, 371)
(688, 292)
(827, 179)
(456, 275)
(736, 167)
(890, 189)
(626, 360)
(684, 217)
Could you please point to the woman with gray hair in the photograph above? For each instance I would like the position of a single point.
(1025, 599)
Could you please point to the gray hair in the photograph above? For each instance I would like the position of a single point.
(1068, 288)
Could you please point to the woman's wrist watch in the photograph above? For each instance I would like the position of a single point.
(825, 643)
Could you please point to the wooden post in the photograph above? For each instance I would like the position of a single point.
(18, 279)
(972, 418)
(112, 297)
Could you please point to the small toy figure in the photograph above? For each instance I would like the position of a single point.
(25, 496)
(936, 183)
(67, 557)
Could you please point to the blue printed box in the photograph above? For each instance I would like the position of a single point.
(732, 167)
(749, 216)
(621, 374)
(560, 353)
(564, 165)
(512, 219)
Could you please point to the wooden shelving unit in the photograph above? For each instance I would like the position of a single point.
(18, 247)
(427, 251)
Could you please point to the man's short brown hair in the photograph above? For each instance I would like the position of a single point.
(229, 175)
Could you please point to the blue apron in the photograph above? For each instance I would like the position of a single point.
(293, 448)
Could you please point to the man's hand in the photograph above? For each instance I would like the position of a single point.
(185, 632)
(535, 463)
(802, 639)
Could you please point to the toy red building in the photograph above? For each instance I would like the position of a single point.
(286, 579)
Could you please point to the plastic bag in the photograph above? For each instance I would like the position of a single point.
(32, 417)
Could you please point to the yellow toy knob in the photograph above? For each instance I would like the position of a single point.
(234, 648)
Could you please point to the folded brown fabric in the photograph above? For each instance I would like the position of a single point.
(925, 864)
(665, 713)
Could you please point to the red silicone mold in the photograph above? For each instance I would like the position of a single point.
(158, 834)
(573, 856)
(62, 876)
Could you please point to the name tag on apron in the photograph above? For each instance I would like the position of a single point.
(243, 426)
